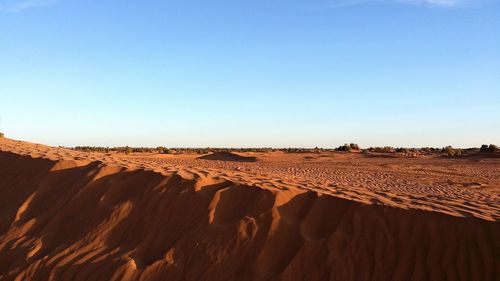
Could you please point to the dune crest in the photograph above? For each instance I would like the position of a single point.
(86, 220)
(227, 156)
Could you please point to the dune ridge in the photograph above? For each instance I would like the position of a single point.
(78, 219)
(227, 156)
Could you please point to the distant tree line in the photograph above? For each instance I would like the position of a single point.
(449, 150)
(165, 150)
(351, 147)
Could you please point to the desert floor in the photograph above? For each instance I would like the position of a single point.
(70, 215)
(462, 186)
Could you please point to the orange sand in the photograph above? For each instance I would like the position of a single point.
(68, 215)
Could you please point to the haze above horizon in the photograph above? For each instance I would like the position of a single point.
(409, 73)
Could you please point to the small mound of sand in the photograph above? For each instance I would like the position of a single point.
(228, 156)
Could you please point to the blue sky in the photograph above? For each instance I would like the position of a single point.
(250, 73)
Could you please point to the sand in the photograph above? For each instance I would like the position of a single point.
(228, 157)
(69, 215)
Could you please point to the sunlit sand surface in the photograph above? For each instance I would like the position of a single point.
(71, 215)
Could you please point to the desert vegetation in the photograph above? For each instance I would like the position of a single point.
(348, 147)
(384, 149)
(165, 150)
(450, 151)
(351, 147)
(489, 148)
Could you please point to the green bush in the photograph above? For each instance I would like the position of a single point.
(1, 135)
(450, 151)
(348, 147)
(344, 147)
(385, 149)
(128, 149)
(488, 148)
(427, 149)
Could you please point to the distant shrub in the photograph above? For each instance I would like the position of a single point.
(354, 146)
(348, 147)
(344, 147)
(405, 150)
(127, 150)
(1, 135)
(402, 149)
(385, 149)
(428, 149)
(450, 151)
(92, 149)
(297, 150)
(488, 148)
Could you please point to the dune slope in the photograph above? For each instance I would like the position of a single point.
(227, 156)
(82, 220)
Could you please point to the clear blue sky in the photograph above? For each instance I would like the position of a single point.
(250, 73)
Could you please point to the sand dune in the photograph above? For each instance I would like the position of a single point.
(228, 156)
(68, 215)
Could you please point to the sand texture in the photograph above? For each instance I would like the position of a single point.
(69, 215)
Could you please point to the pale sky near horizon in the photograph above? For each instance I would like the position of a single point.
(250, 73)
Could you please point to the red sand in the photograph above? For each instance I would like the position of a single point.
(69, 215)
